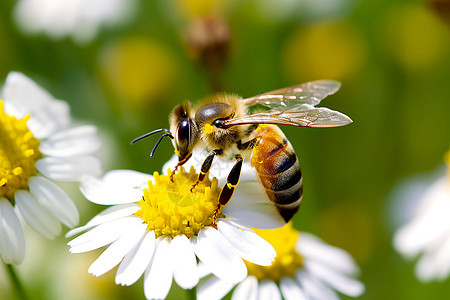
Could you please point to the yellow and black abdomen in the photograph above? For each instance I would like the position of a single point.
(278, 168)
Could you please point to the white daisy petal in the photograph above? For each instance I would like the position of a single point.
(212, 248)
(248, 244)
(268, 290)
(213, 289)
(291, 290)
(54, 199)
(313, 248)
(36, 216)
(184, 262)
(49, 119)
(136, 261)
(12, 236)
(24, 94)
(69, 168)
(158, 276)
(118, 249)
(109, 214)
(314, 288)
(116, 187)
(337, 281)
(430, 223)
(102, 235)
(247, 289)
(251, 207)
(435, 263)
(72, 142)
(202, 269)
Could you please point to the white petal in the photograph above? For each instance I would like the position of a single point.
(158, 276)
(219, 255)
(339, 282)
(36, 216)
(213, 289)
(55, 200)
(246, 289)
(136, 261)
(268, 290)
(49, 119)
(116, 187)
(314, 288)
(184, 262)
(251, 207)
(12, 237)
(435, 263)
(248, 244)
(202, 269)
(114, 254)
(69, 168)
(109, 214)
(24, 94)
(313, 248)
(103, 234)
(73, 142)
(430, 223)
(291, 290)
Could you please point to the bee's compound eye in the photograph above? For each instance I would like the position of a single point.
(184, 133)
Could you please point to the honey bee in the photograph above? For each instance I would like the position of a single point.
(229, 126)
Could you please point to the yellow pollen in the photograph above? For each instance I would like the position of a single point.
(287, 261)
(170, 208)
(19, 151)
(208, 129)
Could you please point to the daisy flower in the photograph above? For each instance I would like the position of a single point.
(428, 231)
(80, 19)
(37, 147)
(305, 268)
(160, 228)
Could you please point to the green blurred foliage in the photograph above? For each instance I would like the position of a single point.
(392, 57)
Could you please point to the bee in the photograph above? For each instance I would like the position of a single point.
(229, 126)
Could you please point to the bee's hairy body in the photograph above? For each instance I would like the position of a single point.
(232, 127)
(274, 159)
(271, 154)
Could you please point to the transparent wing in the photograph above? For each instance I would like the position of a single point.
(294, 106)
(307, 93)
(303, 115)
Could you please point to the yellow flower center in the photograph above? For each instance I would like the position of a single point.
(19, 151)
(170, 208)
(287, 261)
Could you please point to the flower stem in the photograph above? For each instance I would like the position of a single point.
(192, 293)
(16, 283)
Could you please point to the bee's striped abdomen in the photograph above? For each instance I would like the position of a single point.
(279, 170)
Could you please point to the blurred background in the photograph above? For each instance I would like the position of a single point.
(125, 64)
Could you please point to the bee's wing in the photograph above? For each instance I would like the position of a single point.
(307, 93)
(294, 106)
(303, 115)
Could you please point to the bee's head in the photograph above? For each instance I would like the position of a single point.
(184, 129)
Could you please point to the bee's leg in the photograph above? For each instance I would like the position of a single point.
(228, 188)
(179, 164)
(206, 166)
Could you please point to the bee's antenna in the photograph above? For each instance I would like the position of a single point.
(158, 142)
(168, 133)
